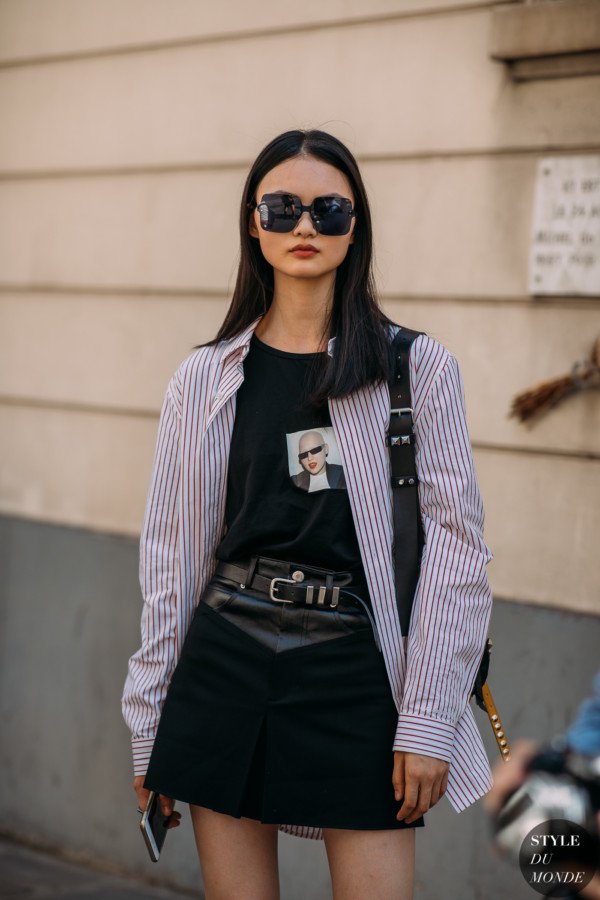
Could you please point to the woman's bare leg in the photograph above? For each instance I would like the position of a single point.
(371, 863)
(238, 857)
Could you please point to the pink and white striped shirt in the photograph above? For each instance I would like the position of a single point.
(431, 671)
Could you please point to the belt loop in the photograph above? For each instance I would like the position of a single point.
(250, 572)
(328, 588)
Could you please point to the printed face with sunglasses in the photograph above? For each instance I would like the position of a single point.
(303, 215)
(311, 456)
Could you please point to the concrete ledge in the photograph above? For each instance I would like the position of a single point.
(548, 39)
(565, 65)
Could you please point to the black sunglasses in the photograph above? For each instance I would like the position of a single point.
(312, 452)
(279, 212)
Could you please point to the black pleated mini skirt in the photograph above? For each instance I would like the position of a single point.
(281, 713)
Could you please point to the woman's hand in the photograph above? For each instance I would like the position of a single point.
(166, 804)
(421, 780)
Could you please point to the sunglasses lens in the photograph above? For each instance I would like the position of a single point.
(332, 215)
(279, 212)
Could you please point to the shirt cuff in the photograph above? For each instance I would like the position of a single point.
(421, 734)
(141, 748)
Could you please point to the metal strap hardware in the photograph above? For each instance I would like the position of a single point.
(404, 480)
(272, 588)
(310, 588)
(495, 722)
(396, 439)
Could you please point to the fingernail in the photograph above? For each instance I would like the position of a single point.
(397, 795)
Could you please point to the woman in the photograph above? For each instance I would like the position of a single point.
(270, 612)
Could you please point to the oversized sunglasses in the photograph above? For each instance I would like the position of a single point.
(312, 452)
(279, 212)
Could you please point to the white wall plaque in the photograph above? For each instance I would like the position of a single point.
(565, 239)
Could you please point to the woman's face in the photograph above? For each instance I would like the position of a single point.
(307, 177)
(314, 461)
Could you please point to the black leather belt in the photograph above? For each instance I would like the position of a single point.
(288, 582)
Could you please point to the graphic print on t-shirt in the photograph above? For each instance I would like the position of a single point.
(314, 460)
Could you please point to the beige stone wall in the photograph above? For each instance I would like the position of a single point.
(127, 131)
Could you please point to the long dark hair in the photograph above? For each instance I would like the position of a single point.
(361, 352)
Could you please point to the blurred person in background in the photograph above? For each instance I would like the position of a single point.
(273, 684)
(582, 739)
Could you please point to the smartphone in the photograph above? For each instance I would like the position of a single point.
(154, 826)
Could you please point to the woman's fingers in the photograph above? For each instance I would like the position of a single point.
(174, 816)
(166, 803)
(142, 793)
(411, 796)
(174, 820)
(398, 775)
(436, 791)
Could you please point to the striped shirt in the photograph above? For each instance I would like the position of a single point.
(431, 671)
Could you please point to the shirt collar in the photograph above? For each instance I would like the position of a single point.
(241, 342)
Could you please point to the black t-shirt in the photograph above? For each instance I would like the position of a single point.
(286, 492)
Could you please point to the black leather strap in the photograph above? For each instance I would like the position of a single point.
(408, 528)
(408, 525)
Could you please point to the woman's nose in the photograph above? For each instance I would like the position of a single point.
(305, 224)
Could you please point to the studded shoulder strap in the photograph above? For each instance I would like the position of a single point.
(408, 527)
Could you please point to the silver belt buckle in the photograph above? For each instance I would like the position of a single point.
(271, 588)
